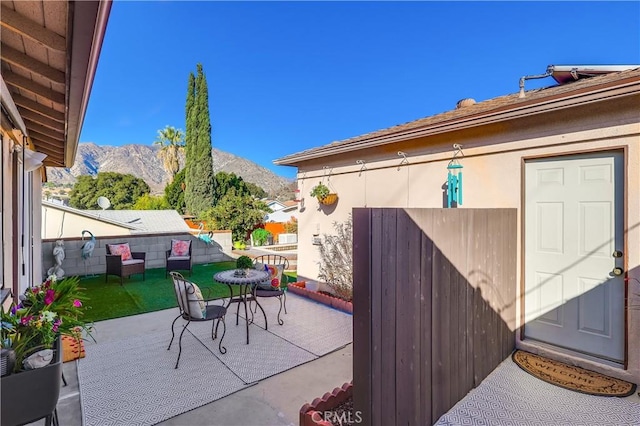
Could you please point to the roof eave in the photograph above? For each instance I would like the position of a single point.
(88, 22)
(536, 106)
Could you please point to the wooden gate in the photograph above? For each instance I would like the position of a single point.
(434, 307)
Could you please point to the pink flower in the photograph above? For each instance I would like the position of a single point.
(77, 303)
(25, 320)
(49, 297)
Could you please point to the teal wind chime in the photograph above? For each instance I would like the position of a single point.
(454, 178)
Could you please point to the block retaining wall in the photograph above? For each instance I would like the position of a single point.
(154, 246)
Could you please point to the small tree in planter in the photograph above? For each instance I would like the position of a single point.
(336, 259)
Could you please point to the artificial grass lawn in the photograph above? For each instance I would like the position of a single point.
(112, 300)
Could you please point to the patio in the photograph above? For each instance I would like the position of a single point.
(274, 375)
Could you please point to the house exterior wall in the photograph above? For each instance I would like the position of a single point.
(20, 204)
(493, 178)
(7, 213)
(58, 223)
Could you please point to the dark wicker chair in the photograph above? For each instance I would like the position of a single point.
(123, 269)
(186, 297)
(273, 259)
(178, 263)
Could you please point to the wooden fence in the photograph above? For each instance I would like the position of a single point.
(434, 308)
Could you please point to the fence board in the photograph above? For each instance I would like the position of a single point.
(362, 320)
(426, 273)
(387, 322)
(377, 394)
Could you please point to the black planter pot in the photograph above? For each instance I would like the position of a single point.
(33, 394)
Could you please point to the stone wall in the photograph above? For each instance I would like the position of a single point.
(155, 246)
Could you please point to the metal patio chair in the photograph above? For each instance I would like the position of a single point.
(194, 307)
(281, 294)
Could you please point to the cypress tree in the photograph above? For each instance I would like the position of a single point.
(205, 178)
(190, 138)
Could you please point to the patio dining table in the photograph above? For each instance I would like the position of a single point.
(246, 283)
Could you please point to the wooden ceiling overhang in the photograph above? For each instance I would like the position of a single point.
(49, 51)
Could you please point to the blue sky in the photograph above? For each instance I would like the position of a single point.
(288, 76)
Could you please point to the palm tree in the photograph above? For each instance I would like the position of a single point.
(171, 141)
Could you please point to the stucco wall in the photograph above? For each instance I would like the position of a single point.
(154, 246)
(493, 176)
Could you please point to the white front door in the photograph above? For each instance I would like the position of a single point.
(573, 226)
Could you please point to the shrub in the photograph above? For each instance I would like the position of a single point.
(291, 227)
(260, 236)
(239, 245)
(336, 259)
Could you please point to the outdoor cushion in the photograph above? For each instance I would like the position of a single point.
(197, 306)
(121, 249)
(178, 258)
(274, 282)
(132, 261)
(180, 248)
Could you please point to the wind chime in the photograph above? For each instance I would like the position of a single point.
(454, 178)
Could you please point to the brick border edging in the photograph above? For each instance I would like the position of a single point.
(335, 302)
(310, 414)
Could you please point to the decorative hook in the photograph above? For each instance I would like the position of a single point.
(457, 151)
(363, 166)
(404, 159)
(329, 169)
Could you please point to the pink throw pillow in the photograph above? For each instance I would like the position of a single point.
(180, 248)
(121, 249)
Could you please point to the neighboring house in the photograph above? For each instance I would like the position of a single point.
(282, 212)
(50, 52)
(60, 221)
(567, 157)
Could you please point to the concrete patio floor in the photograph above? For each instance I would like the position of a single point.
(272, 401)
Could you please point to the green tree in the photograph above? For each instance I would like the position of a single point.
(174, 192)
(224, 181)
(122, 190)
(151, 202)
(238, 213)
(171, 141)
(199, 177)
(255, 190)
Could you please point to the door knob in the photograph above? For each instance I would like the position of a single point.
(617, 271)
(617, 253)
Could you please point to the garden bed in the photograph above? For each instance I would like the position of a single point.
(321, 297)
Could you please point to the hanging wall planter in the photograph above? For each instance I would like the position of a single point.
(324, 194)
(329, 199)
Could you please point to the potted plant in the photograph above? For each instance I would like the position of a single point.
(31, 330)
(324, 194)
(242, 264)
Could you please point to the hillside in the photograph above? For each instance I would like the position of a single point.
(142, 161)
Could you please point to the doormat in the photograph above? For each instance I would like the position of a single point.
(570, 377)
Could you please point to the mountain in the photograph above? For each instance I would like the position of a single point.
(142, 161)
